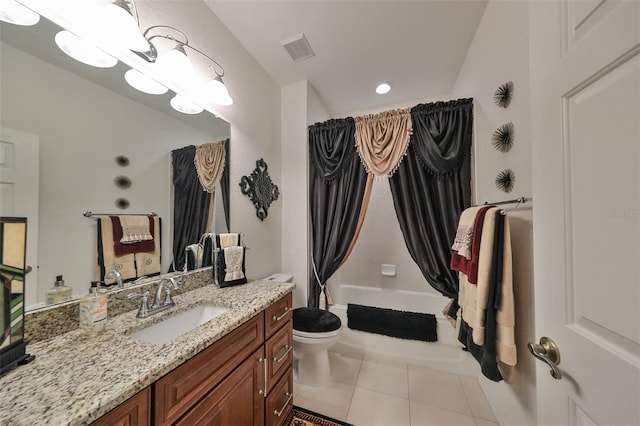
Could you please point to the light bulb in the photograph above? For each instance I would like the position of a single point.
(175, 65)
(17, 14)
(83, 51)
(144, 83)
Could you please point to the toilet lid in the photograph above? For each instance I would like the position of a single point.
(315, 320)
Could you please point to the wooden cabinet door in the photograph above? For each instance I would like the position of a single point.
(235, 401)
(133, 412)
(179, 390)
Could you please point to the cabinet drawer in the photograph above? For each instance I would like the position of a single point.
(134, 411)
(278, 314)
(279, 353)
(176, 392)
(280, 401)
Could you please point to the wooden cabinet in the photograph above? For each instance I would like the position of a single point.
(245, 378)
(133, 412)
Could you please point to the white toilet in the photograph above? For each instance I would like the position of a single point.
(314, 332)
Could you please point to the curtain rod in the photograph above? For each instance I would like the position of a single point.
(89, 213)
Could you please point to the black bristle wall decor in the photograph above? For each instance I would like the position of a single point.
(506, 180)
(503, 137)
(122, 182)
(122, 203)
(503, 94)
(122, 161)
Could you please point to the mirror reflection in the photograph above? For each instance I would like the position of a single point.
(63, 127)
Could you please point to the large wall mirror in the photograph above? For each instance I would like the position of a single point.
(63, 125)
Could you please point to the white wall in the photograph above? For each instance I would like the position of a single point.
(499, 53)
(82, 128)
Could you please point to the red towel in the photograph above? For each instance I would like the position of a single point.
(122, 249)
(470, 266)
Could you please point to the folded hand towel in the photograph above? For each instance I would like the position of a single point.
(233, 257)
(108, 260)
(135, 229)
(134, 247)
(470, 266)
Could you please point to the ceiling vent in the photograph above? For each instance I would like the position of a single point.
(298, 47)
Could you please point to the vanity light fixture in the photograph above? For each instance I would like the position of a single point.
(383, 88)
(175, 64)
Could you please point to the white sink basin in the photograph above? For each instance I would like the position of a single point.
(175, 326)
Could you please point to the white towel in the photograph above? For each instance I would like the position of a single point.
(135, 229)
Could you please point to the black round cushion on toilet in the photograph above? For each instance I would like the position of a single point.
(314, 320)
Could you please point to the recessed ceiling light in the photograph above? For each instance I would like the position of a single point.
(383, 88)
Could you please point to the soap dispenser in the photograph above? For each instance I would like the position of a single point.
(93, 306)
(59, 292)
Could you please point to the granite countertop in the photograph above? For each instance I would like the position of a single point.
(81, 375)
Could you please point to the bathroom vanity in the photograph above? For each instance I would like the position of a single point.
(234, 369)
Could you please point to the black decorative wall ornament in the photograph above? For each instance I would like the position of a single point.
(259, 188)
(122, 161)
(122, 182)
(503, 94)
(506, 180)
(503, 137)
(122, 203)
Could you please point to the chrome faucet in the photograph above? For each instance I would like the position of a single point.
(115, 274)
(158, 304)
(168, 301)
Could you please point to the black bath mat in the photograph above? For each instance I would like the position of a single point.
(389, 322)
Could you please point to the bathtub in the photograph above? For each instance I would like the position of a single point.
(444, 355)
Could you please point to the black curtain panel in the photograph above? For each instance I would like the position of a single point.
(191, 205)
(337, 187)
(432, 187)
(224, 184)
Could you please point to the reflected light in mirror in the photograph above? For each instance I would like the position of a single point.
(143, 83)
(83, 51)
(184, 105)
(15, 13)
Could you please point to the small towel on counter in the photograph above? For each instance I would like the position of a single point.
(234, 258)
(229, 240)
(145, 246)
(231, 267)
(470, 266)
(135, 229)
(464, 234)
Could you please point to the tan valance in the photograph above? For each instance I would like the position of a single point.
(382, 140)
(209, 161)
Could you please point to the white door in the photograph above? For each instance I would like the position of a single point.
(585, 85)
(19, 173)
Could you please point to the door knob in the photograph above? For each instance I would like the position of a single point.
(547, 351)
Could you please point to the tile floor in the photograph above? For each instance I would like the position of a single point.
(368, 392)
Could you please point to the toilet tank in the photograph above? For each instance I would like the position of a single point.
(280, 278)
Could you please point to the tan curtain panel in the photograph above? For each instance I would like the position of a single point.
(382, 140)
(209, 161)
